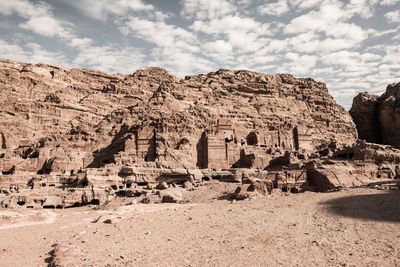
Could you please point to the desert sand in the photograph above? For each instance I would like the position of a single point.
(354, 227)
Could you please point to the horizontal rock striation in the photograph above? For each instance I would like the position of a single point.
(82, 130)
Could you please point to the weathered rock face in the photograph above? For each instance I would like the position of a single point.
(64, 127)
(365, 116)
(378, 118)
(361, 164)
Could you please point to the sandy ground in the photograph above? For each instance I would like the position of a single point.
(357, 227)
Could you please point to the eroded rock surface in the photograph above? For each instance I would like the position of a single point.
(78, 136)
(377, 117)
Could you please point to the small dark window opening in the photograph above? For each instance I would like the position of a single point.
(85, 182)
(95, 202)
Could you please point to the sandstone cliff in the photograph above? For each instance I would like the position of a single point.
(78, 118)
(79, 127)
(377, 118)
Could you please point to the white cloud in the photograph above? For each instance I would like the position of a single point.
(175, 48)
(159, 33)
(257, 61)
(181, 62)
(319, 20)
(276, 46)
(393, 16)
(31, 53)
(276, 9)
(206, 9)
(330, 20)
(220, 50)
(24, 8)
(80, 43)
(101, 9)
(243, 3)
(305, 4)
(376, 33)
(46, 26)
(243, 33)
(364, 8)
(389, 2)
(38, 54)
(311, 42)
(39, 18)
(299, 64)
(110, 58)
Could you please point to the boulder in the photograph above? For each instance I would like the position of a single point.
(162, 186)
(171, 195)
(187, 185)
(53, 202)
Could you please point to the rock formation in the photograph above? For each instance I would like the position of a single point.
(77, 136)
(377, 118)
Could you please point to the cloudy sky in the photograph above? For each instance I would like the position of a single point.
(351, 45)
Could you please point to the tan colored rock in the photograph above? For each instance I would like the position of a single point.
(86, 136)
(365, 116)
(162, 186)
(187, 185)
(261, 186)
(171, 195)
(377, 118)
(64, 255)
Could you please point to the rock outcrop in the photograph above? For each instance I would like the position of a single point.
(378, 117)
(78, 136)
(361, 164)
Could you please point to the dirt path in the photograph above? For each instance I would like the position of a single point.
(358, 227)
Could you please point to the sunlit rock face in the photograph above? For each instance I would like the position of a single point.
(85, 128)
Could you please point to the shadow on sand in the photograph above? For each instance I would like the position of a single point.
(378, 207)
